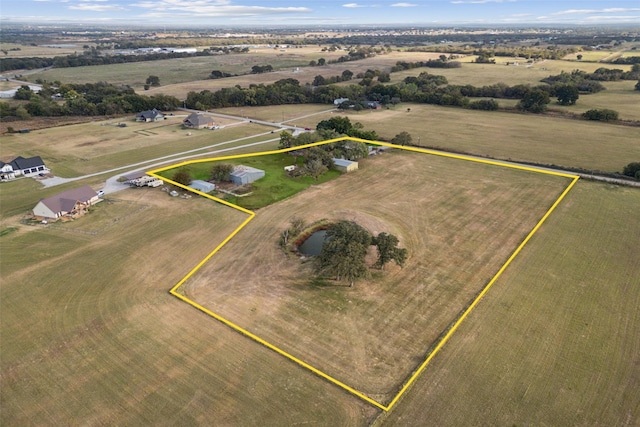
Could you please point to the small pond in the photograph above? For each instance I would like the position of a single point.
(313, 245)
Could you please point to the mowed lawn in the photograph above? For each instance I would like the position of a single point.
(556, 341)
(459, 220)
(519, 137)
(90, 334)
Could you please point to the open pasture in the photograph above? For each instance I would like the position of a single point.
(489, 74)
(459, 220)
(182, 70)
(509, 136)
(90, 334)
(96, 146)
(556, 341)
(47, 51)
(304, 74)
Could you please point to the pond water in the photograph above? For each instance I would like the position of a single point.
(313, 245)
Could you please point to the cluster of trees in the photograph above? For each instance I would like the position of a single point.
(600, 114)
(322, 81)
(217, 74)
(345, 249)
(442, 62)
(527, 52)
(92, 99)
(259, 69)
(92, 57)
(589, 82)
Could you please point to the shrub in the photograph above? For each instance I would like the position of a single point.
(603, 114)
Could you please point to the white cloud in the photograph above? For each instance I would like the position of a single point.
(481, 1)
(96, 7)
(403, 5)
(215, 8)
(592, 11)
(352, 5)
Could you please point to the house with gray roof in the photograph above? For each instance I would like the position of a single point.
(198, 121)
(149, 116)
(21, 166)
(242, 175)
(71, 203)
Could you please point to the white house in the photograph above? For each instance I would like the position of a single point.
(22, 167)
(70, 203)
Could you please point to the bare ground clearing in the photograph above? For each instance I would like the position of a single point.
(459, 220)
(90, 334)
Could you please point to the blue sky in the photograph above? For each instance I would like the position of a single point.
(212, 13)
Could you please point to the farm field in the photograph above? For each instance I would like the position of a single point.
(488, 74)
(557, 339)
(96, 146)
(89, 332)
(304, 74)
(180, 70)
(458, 231)
(519, 137)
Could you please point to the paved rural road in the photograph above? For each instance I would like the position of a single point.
(152, 163)
(112, 185)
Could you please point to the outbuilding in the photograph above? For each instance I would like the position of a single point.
(242, 175)
(202, 186)
(345, 166)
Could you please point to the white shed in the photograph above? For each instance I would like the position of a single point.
(202, 186)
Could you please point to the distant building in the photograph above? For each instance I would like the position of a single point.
(150, 116)
(71, 203)
(202, 186)
(20, 166)
(243, 175)
(198, 121)
(339, 101)
(345, 166)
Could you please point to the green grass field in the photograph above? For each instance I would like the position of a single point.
(274, 187)
(557, 339)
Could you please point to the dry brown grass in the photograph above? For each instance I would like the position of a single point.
(459, 220)
(90, 334)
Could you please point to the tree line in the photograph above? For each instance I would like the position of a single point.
(91, 99)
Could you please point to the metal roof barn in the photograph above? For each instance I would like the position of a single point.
(243, 175)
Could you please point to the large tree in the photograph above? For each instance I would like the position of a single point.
(567, 94)
(182, 176)
(344, 251)
(534, 101)
(403, 138)
(388, 250)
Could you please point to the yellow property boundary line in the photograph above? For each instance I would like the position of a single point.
(423, 365)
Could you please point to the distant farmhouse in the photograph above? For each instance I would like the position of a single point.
(242, 175)
(71, 203)
(22, 167)
(345, 166)
(198, 121)
(150, 116)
